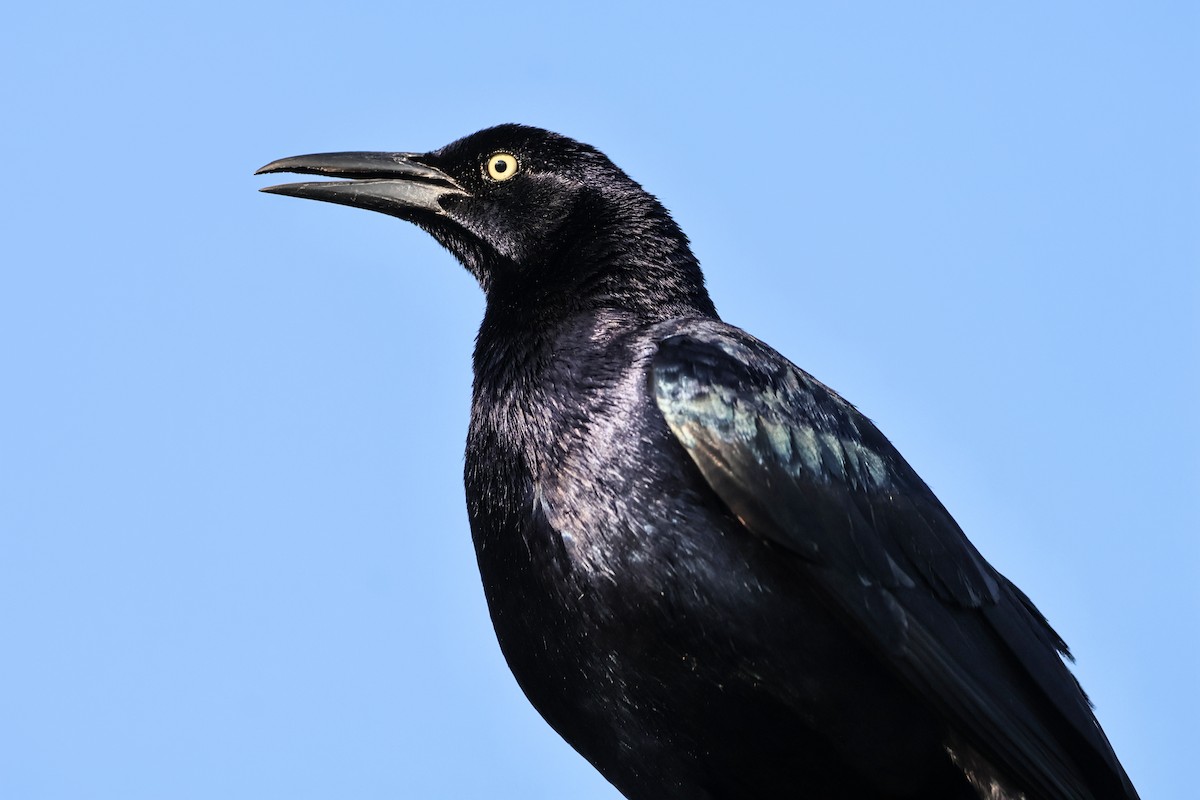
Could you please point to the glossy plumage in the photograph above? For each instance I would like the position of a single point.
(709, 572)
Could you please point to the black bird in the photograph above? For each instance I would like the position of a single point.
(711, 574)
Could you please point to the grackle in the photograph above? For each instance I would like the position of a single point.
(712, 575)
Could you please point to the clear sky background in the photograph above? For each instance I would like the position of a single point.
(234, 556)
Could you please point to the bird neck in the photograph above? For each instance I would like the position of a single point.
(619, 264)
(515, 347)
(622, 254)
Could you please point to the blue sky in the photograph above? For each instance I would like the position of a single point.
(234, 557)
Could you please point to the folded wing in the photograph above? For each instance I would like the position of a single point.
(802, 468)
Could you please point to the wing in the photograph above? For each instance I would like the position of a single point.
(799, 466)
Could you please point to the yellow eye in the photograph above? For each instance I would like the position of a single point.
(502, 166)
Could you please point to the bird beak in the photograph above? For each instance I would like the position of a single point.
(391, 183)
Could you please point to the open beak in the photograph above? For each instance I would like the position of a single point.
(398, 184)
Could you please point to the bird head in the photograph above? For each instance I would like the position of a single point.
(530, 213)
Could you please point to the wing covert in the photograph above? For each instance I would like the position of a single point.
(802, 468)
(839, 492)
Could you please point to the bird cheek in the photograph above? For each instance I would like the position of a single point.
(501, 238)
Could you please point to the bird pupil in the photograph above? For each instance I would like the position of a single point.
(501, 165)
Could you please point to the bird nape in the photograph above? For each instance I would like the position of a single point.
(711, 574)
